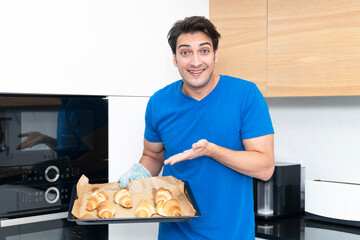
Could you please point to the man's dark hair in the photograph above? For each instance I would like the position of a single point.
(192, 25)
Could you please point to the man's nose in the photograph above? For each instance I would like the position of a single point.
(196, 60)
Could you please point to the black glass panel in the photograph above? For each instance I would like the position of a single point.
(36, 129)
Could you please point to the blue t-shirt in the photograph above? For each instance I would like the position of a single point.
(233, 111)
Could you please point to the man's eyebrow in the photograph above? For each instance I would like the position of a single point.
(205, 43)
(183, 45)
(188, 45)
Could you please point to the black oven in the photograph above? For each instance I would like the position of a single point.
(59, 229)
(46, 144)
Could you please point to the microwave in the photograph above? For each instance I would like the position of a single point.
(46, 144)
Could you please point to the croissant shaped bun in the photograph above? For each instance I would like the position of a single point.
(106, 210)
(169, 208)
(95, 199)
(162, 194)
(123, 198)
(144, 209)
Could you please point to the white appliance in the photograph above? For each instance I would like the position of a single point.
(333, 201)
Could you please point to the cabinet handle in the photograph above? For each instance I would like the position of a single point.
(6, 222)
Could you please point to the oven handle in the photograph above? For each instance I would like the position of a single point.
(6, 222)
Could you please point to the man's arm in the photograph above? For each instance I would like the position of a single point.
(153, 157)
(256, 161)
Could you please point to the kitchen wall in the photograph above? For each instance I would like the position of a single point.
(321, 133)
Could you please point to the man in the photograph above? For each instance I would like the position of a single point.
(213, 131)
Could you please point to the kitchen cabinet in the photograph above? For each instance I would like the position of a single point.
(107, 48)
(309, 48)
(243, 43)
(313, 48)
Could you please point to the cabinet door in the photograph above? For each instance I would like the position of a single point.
(242, 48)
(313, 48)
(89, 47)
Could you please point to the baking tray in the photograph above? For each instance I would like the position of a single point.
(188, 194)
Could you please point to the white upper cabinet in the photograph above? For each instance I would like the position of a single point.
(89, 47)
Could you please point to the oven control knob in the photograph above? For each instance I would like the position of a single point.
(52, 173)
(52, 194)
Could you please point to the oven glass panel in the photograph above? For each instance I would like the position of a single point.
(35, 129)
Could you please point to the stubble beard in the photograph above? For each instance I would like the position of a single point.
(196, 86)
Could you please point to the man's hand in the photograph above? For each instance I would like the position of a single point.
(201, 148)
(256, 160)
(33, 138)
(136, 172)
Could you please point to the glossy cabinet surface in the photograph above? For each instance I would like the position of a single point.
(99, 47)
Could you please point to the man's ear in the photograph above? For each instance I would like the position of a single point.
(216, 57)
(174, 60)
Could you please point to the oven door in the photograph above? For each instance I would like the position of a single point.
(53, 229)
(20, 200)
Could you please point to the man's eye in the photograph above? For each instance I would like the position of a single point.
(205, 51)
(184, 52)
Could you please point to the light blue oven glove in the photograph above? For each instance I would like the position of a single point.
(137, 171)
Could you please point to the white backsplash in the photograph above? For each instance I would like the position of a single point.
(321, 133)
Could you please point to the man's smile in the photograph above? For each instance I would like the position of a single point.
(196, 72)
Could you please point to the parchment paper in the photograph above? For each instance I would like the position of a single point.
(139, 189)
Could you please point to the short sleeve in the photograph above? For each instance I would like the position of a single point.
(150, 134)
(256, 119)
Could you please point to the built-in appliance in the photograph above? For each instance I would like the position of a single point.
(46, 144)
(279, 196)
(58, 229)
(332, 201)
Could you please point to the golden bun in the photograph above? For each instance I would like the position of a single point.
(106, 210)
(123, 198)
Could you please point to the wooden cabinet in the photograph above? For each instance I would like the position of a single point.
(312, 48)
(243, 44)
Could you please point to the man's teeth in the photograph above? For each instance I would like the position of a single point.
(199, 71)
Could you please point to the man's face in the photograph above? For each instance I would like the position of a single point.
(195, 58)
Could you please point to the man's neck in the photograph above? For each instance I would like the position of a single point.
(200, 93)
